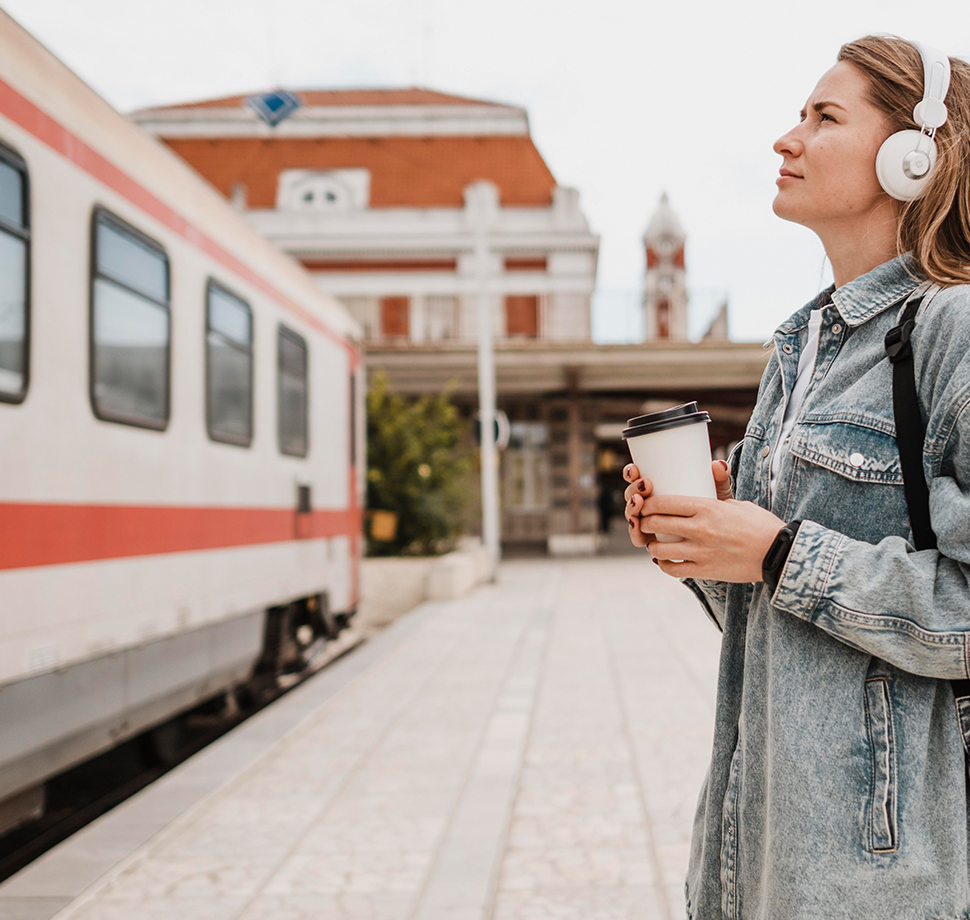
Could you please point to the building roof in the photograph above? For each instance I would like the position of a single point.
(421, 147)
(535, 367)
(406, 172)
(335, 97)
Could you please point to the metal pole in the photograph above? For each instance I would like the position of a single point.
(486, 383)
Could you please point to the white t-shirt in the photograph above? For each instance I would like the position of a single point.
(806, 366)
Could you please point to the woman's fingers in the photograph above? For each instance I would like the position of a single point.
(637, 537)
(678, 569)
(644, 487)
(632, 514)
(633, 505)
(676, 559)
(722, 480)
(675, 525)
(641, 487)
(681, 551)
(634, 494)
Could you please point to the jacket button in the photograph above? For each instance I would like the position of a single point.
(787, 349)
(837, 328)
(856, 459)
(766, 451)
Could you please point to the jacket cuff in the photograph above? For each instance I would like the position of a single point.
(712, 596)
(806, 572)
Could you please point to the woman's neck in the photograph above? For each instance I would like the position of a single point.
(857, 247)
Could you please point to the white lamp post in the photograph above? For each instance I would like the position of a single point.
(481, 198)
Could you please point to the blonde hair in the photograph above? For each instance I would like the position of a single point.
(936, 226)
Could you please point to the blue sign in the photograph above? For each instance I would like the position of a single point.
(273, 107)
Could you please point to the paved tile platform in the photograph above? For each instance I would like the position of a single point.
(530, 752)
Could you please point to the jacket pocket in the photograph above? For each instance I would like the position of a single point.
(963, 716)
(857, 452)
(883, 834)
(847, 476)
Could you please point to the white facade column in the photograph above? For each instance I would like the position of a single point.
(568, 311)
(418, 318)
(481, 203)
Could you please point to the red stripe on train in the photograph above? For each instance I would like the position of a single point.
(36, 121)
(34, 535)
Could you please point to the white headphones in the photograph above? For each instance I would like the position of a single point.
(906, 159)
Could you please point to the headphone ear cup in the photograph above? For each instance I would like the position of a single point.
(889, 165)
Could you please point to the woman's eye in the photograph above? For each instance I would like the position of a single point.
(824, 116)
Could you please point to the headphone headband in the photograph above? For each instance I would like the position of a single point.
(906, 159)
(931, 111)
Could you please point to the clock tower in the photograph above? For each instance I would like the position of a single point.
(665, 295)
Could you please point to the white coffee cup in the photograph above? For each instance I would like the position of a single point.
(673, 450)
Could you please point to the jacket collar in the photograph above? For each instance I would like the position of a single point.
(864, 297)
(868, 295)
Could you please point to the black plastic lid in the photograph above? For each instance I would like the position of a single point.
(687, 414)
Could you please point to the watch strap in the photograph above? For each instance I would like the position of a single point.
(777, 555)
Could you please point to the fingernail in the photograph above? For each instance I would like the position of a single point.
(641, 486)
(654, 561)
(632, 523)
(723, 463)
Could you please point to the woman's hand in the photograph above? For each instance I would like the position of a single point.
(639, 489)
(634, 494)
(723, 540)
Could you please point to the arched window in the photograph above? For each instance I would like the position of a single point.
(323, 191)
(663, 319)
(322, 194)
(522, 316)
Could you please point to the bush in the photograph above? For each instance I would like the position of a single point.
(415, 468)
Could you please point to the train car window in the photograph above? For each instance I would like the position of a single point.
(130, 325)
(353, 419)
(14, 277)
(292, 365)
(229, 367)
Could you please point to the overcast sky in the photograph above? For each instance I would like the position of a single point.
(625, 100)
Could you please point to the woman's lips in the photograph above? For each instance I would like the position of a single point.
(786, 175)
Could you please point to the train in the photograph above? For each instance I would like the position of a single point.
(181, 436)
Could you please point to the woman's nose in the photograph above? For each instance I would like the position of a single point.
(788, 145)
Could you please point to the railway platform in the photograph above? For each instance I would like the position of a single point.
(532, 751)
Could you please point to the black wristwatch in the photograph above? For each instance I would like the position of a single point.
(777, 555)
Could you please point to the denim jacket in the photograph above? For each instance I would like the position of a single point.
(837, 786)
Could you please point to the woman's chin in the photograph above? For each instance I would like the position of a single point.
(785, 208)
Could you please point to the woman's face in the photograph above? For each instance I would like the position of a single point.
(828, 177)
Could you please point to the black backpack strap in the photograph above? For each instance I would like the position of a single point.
(910, 430)
(910, 435)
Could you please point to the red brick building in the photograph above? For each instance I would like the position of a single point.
(370, 190)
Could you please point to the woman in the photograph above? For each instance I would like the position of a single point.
(838, 786)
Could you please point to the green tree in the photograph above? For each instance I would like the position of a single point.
(415, 468)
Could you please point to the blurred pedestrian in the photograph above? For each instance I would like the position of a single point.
(606, 505)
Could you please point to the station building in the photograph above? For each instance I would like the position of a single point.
(382, 195)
